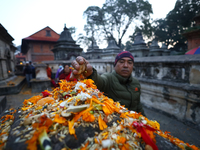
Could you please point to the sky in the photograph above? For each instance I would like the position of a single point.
(22, 18)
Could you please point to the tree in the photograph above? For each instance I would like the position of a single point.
(93, 17)
(128, 45)
(84, 40)
(115, 17)
(72, 30)
(177, 21)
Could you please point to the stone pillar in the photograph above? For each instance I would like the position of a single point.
(41, 82)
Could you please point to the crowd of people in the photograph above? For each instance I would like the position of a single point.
(63, 72)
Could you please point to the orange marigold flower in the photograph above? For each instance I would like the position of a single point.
(121, 140)
(59, 119)
(90, 83)
(71, 127)
(102, 124)
(88, 117)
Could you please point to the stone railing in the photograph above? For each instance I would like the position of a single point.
(171, 84)
(168, 83)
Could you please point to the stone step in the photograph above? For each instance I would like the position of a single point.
(12, 86)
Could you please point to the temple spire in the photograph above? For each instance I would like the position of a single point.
(65, 28)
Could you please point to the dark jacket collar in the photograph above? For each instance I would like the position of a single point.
(121, 79)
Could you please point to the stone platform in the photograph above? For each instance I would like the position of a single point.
(12, 85)
(39, 85)
(3, 102)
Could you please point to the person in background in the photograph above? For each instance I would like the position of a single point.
(58, 72)
(48, 69)
(32, 69)
(52, 74)
(65, 73)
(28, 73)
(118, 85)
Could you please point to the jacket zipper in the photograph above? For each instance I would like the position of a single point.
(127, 87)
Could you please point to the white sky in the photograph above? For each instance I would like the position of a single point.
(22, 18)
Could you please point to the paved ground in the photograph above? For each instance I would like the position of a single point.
(178, 129)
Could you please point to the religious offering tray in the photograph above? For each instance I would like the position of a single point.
(76, 115)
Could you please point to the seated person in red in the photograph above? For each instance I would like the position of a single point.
(49, 72)
(65, 73)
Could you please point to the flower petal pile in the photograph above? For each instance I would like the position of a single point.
(59, 113)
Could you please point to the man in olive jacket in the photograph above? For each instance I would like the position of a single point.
(118, 85)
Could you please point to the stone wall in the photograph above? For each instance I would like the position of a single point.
(171, 84)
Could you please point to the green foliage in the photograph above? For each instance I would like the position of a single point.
(177, 21)
(72, 30)
(170, 29)
(192, 29)
(128, 45)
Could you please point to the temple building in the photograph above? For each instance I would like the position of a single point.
(111, 50)
(65, 47)
(7, 59)
(165, 51)
(93, 51)
(9, 82)
(139, 47)
(37, 47)
(154, 49)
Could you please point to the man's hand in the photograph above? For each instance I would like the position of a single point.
(81, 66)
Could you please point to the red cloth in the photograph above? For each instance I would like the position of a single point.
(54, 83)
(66, 76)
(140, 128)
(48, 72)
(62, 76)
